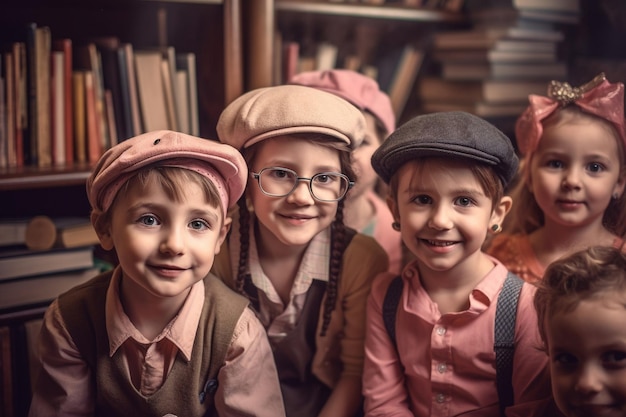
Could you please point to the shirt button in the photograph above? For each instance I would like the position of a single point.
(441, 331)
(442, 368)
(440, 398)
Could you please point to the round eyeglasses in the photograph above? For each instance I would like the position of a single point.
(280, 182)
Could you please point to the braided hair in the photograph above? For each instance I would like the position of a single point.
(338, 229)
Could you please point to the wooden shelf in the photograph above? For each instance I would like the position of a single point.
(369, 11)
(34, 177)
(190, 1)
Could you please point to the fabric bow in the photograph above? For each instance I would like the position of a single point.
(598, 97)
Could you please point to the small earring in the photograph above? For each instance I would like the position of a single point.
(496, 228)
(395, 226)
(615, 196)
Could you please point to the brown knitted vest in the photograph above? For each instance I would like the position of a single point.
(189, 386)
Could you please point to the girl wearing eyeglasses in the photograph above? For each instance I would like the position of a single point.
(306, 274)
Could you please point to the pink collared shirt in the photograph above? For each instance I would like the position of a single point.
(449, 359)
(149, 362)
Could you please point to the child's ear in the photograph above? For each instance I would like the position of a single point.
(618, 190)
(393, 207)
(500, 210)
(223, 233)
(103, 230)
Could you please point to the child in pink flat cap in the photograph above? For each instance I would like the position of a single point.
(570, 190)
(365, 210)
(158, 335)
(305, 272)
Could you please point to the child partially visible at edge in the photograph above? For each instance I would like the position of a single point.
(306, 273)
(158, 334)
(447, 173)
(581, 310)
(365, 209)
(570, 192)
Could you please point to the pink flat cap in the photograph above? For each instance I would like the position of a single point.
(358, 89)
(286, 109)
(221, 163)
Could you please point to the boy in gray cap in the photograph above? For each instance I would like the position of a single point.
(158, 335)
(447, 173)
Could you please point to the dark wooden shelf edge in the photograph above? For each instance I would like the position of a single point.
(34, 177)
(369, 11)
(189, 1)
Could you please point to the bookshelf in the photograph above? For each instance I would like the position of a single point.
(210, 29)
(372, 32)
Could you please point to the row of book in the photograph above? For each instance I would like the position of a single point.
(63, 102)
(395, 70)
(41, 257)
(510, 52)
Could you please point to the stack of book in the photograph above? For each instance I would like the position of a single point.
(65, 102)
(42, 257)
(512, 50)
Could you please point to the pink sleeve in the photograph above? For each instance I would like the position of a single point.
(383, 379)
(64, 384)
(248, 382)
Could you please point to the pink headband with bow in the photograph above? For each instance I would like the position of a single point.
(598, 97)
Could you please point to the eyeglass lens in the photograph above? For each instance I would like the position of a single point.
(327, 186)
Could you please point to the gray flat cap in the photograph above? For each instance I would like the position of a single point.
(447, 134)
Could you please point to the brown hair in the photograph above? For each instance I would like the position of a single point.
(582, 275)
(338, 229)
(490, 182)
(172, 180)
(526, 216)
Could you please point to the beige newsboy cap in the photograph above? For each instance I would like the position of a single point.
(286, 109)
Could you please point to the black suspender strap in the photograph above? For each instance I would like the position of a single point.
(390, 307)
(504, 340)
(504, 332)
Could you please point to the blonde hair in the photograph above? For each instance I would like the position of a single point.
(526, 216)
(585, 274)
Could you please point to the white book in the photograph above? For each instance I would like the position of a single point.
(182, 100)
(152, 100)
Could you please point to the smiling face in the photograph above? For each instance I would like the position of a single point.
(575, 171)
(587, 347)
(164, 244)
(445, 214)
(295, 219)
(362, 156)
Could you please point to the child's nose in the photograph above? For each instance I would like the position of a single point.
(440, 219)
(301, 194)
(589, 380)
(173, 241)
(571, 179)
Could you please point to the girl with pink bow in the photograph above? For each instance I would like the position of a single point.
(570, 189)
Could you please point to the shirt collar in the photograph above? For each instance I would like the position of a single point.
(314, 263)
(181, 331)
